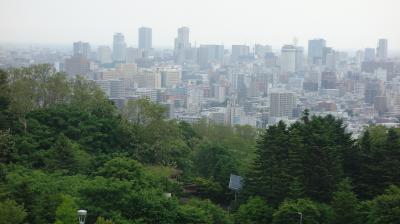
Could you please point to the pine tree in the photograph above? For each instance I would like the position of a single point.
(269, 175)
(345, 204)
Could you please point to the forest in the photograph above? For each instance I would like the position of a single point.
(64, 146)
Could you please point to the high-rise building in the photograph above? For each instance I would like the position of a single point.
(148, 78)
(299, 59)
(328, 80)
(145, 38)
(239, 51)
(326, 51)
(182, 41)
(373, 89)
(104, 55)
(381, 104)
(119, 47)
(117, 89)
(316, 51)
(262, 50)
(282, 104)
(132, 54)
(77, 65)
(170, 76)
(210, 53)
(82, 49)
(330, 61)
(113, 88)
(181, 45)
(369, 54)
(288, 59)
(382, 49)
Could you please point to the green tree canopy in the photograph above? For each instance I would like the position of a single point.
(67, 211)
(386, 208)
(11, 212)
(255, 210)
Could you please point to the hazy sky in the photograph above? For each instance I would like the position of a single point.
(345, 24)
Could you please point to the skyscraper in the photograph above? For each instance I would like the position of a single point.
(77, 65)
(104, 54)
(132, 54)
(262, 50)
(81, 49)
(182, 41)
(316, 50)
(288, 58)
(282, 103)
(145, 38)
(181, 45)
(369, 54)
(210, 53)
(119, 47)
(382, 49)
(239, 51)
(299, 58)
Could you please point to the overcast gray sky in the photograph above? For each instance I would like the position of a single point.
(345, 24)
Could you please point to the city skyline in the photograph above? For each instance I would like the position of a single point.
(269, 23)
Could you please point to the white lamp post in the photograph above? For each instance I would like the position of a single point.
(82, 216)
(301, 217)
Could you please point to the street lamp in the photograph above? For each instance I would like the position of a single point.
(301, 217)
(82, 216)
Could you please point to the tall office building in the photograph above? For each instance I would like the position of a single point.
(330, 61)
(239, 51)
(145, 38)
(148, 78)
(299, 59)
(81, 49)
(104, 55)
(181, 45)
(382, 49)
(316, 51)
(170, 76)
(119, 47)
(132, 54)
(282, 104)
(369, 54)
(262, 50)
(288, 59)
(182, 41)
(113, 88)
(210, 53)
(328, 80)
(77, 65)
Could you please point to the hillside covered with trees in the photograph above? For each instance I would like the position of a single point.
(64, 146)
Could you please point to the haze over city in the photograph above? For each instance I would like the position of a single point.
(347, 25)
(200, 111)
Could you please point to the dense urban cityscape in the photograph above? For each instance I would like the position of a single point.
(245, 85)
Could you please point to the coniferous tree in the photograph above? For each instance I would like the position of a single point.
(269, 177)
(345, 204)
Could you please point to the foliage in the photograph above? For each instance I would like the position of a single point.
(255, 210)
(385, 208)
(345, 204)
(293, 211)
(304, 159)
(101, 220)
(214, 164)
(376, 162)
(8, 152)
(11, 212)
(66, 211)
(215, 213)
